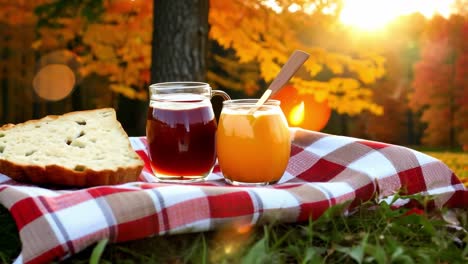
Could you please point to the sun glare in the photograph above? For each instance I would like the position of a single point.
(375, 14)
(296, 116)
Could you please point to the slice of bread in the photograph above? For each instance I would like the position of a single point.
(84, 148)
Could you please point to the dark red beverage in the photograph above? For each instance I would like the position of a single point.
(181, 137)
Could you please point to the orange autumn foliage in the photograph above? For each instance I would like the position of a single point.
(440, 82)
(118, 46)
(340, 74)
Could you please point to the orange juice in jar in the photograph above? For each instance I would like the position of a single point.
(253, 148)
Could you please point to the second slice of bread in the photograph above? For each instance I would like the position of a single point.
(83, 148)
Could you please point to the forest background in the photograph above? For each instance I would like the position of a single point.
(405, 83)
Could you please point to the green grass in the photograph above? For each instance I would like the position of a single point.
(372, 234)
(9, 242)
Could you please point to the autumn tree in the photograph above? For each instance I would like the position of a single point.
(461, 6)
(17, 62)
(259, 33)
(267, 35)
(461, 82)
(113, 39)
(399, 44)
(440, 82)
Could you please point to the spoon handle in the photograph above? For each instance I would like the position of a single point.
(287, 71)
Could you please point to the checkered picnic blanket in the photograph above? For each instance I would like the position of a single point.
(324, 170)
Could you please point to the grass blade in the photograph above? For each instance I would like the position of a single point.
(97, 251)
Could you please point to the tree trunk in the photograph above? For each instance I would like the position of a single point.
(180, 36)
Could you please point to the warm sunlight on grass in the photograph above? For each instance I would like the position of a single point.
(375, 14)
(457, 162)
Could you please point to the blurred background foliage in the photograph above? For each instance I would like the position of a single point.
(405, 83)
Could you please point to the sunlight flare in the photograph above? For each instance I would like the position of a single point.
(375, 14)
(244, 229)
(296, 116)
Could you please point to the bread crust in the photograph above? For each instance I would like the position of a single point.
(53, 117)
(58, 175)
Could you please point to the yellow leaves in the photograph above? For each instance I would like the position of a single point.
(99, 67)
(376, 109)
(118, 47)
(104, 52)
(319, 89)
(50, 39)
(368, 69)
(245, 27)
(335, 62)
(269, 70)
(36, 44)
(18, 13)
(312, 67)
(259, 34)
(129, 92)
(104, 34)
(345, 84)
(321, 96)
(345, 95)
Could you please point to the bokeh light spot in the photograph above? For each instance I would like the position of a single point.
(54, 82)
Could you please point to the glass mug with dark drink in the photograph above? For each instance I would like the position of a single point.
(181, 130)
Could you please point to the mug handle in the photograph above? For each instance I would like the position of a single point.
(223, 94)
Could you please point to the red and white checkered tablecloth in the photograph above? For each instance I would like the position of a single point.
(324, 170)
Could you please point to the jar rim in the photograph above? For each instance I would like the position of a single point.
(179, 84)
(251, 102)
